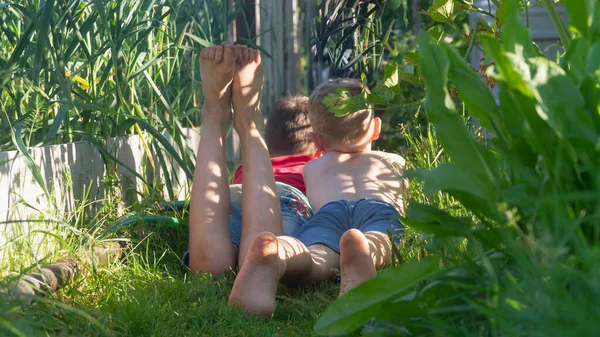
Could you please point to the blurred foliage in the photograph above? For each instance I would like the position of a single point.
(514, 252)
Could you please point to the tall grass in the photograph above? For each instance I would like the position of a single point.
(88, 70)
(72, 70)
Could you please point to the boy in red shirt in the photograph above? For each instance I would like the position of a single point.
(287, 135)
(216, 241)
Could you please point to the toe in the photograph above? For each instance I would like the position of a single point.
(218, 54)
(239, 51)
(246, 54)
(211, 53)
(256, 57)
(229, 52)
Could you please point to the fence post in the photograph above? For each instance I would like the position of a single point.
(279, 38)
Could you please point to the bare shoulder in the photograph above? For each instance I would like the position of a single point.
(311, 164)
(395, 161)
(310, 167)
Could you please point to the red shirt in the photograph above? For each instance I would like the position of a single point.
(286, 169)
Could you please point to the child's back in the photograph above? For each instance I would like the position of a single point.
(349, 170)
(353, 176)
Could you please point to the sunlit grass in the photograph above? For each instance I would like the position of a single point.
(149, 293)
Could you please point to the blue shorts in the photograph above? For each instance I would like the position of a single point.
(295, 212)
(333, 219)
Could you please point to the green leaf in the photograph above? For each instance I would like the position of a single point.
(432, 220)
(575, 59)
(449, 178)
(151, 62)
(592, 64)
(500, 15)
(412, 58)
(522, 119)
(515, 33)
(43, 28)
(477, 96)
(410, 78)
(108, 156)
(352, 310)
(595, 28)
(435, 73)
(441, 10)
(60, 117)
(390, 76)
(395, 4)
(380, 333)
(165, 169)
(436, 33)
(564, 112)
(380, 95)
(166, 145)
(580, 15)
(504, 64)
(343, 102)
(468, 188)
(33, 167)
(447, 287)
(458, 143)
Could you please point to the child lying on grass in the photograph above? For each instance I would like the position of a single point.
(215, 210)
(356, 191)
(357, 194)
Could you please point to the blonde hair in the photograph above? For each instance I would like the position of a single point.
(344, 133)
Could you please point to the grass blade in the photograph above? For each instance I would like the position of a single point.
(33, 167)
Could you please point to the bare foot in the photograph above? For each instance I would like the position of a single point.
(255, 286)
(217, 66)
(356, 263)
(247, 87)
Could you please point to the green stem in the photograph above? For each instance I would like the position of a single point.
(527, 13)
(558, 23)
(473, 39)
(476, 9)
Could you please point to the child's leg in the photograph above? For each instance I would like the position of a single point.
(261, 210)
(210, 245)
(361, 255)
(270, 259)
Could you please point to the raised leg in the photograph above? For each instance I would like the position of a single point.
(361, 255)
(211, 250)
(271, 259)
(261, 210)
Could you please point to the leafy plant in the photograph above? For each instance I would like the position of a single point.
(89, 70)
(531, 233)
(347, 39)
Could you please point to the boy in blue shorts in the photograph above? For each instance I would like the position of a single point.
(357, 194)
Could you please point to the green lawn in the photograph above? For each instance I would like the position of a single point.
(148, 293)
